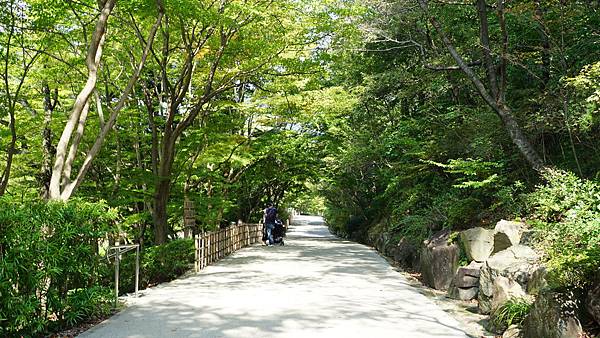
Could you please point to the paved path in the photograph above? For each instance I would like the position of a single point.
(314, 286)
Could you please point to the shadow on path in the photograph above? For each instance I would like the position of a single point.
(314, 286)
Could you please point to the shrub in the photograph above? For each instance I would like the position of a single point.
(511, 312)
(166, 262)
(567, 213)
(464, 212)
(87, 303)
(158, 264)
(415, 228)
(49, 265)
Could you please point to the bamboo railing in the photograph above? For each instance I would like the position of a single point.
(213, 246)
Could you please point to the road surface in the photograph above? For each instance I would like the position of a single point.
(315, 286)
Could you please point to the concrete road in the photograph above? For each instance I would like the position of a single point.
(314, 286)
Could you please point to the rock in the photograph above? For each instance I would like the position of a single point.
(528, 237)
(478, 243)
(507, 234)
(474, 268)
(468, 276)
(381, 242)
(439, 260)
(592, 302)
(465, 284)
(537, 281)
(455, 292)
(505, 289)
(517, 263)
(513, 331)
(465, 281)
(553, 316)
(404, 253)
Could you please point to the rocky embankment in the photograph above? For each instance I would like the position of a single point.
(502, 266)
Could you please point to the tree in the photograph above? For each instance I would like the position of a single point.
(494, 93)
(16, 67)
(227, 45)
(61, 185)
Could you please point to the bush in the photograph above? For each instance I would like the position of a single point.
(82, 304)
(158, 264)
(166, 262)
(512, 312)
(464, 212)
(415, 228)
(49, 265)
(567, 213)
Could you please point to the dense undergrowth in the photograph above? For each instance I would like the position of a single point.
(566, 213)
(53, 274)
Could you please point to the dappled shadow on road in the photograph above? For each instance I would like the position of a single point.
(314, 286)
(181, 320)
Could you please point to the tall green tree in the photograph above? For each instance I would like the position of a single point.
(220, 45)
(17, 61)
(61, 184)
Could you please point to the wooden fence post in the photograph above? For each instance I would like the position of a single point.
(189, 217)
(196, 254)
(247, 229)
(202, 251)
(210, 247)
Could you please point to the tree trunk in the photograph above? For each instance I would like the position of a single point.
(92, 61)
(163, 189)
(494, 101)
(10, 152)
(484, 38)
(64, 191)
(161, 199)
(48, 150)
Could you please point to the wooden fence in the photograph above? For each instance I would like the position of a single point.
(212, 246)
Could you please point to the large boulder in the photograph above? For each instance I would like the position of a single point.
(439, 260)
(507, 234)
(517, 263)
(405, 253)
(478, 243)
(592, 302)
(503, 290)
(552, 316)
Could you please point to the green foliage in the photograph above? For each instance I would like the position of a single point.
(309, 202)
(85, 303)
(419, 150)
(464, 212)
(469, 170)
(415, 228)
(166, 262)
(318, 105)
(586, 87)
(509, 199)
(567, 210)
(49, 264)
(158, 264)
(513, 312)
